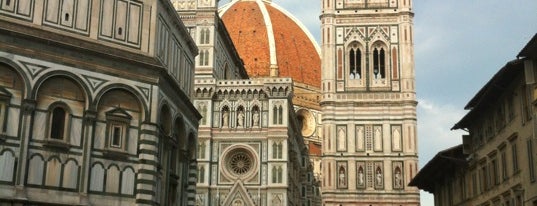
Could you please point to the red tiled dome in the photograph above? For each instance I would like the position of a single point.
(256, 36)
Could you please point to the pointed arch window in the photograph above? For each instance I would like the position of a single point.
(379, 63)
(275, 115)
(205, 35)
(277, 174)
(201, 174)
(204, 57)
(355, 63)
(280, 115)
(277, 150)
(201, 150)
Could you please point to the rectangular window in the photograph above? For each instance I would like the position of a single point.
(500, 117)
(511, 107)
(526, 113)
(116, 136)
(495, 172)
(58, 120)
(484, 179)
(117, 131)
(530, 160)
(515, 157)
(504, 165)
(3, 116)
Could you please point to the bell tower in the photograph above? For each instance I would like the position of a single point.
(369, 103)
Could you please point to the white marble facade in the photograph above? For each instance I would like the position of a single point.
(369, 103)
(96, 112)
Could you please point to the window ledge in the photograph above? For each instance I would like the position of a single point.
(116, 154)
(59, 144)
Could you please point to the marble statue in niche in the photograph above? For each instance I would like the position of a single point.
(225, 117)
(240, 119)
(397, 178)
(378, 180)
(255, 118)
(342, 178)
(360, 176)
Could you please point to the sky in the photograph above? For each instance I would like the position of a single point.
(458, 46)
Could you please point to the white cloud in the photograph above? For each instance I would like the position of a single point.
(434, 128)
(434, 123)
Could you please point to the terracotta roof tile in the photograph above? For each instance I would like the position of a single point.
(296, 54)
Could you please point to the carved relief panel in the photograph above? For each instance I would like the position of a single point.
(341, 138)
(396, 134)
(377, 136)
(360, 138)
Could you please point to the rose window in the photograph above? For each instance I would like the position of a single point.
(239, 161)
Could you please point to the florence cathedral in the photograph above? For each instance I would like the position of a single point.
(201, 102)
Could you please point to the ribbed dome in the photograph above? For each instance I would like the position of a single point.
(266, 36)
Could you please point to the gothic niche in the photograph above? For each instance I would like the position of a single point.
(397, 178)
(378, 178)
(360, 176)
(342, 177)
(306, 122)
(255, 116)
(240, 117)
(225, 117)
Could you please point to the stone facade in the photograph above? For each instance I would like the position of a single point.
(95, 104)
(368, 103)
(497, 162)
(250, 150)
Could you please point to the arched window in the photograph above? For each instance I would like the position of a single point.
(277, 150)
(225, 71)
(379, 63)
(204, 57)
(201, 174)
(277, 174)
(280, 174)
(280, 150)
(355, 63)
(274, 150)
(274, 114)
(5, 96)
(202, 35)
(274, 175)
(201, 150)
(58, 121)
(205, 35)
(280, 115)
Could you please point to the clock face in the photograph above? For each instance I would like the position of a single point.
(307, 122)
